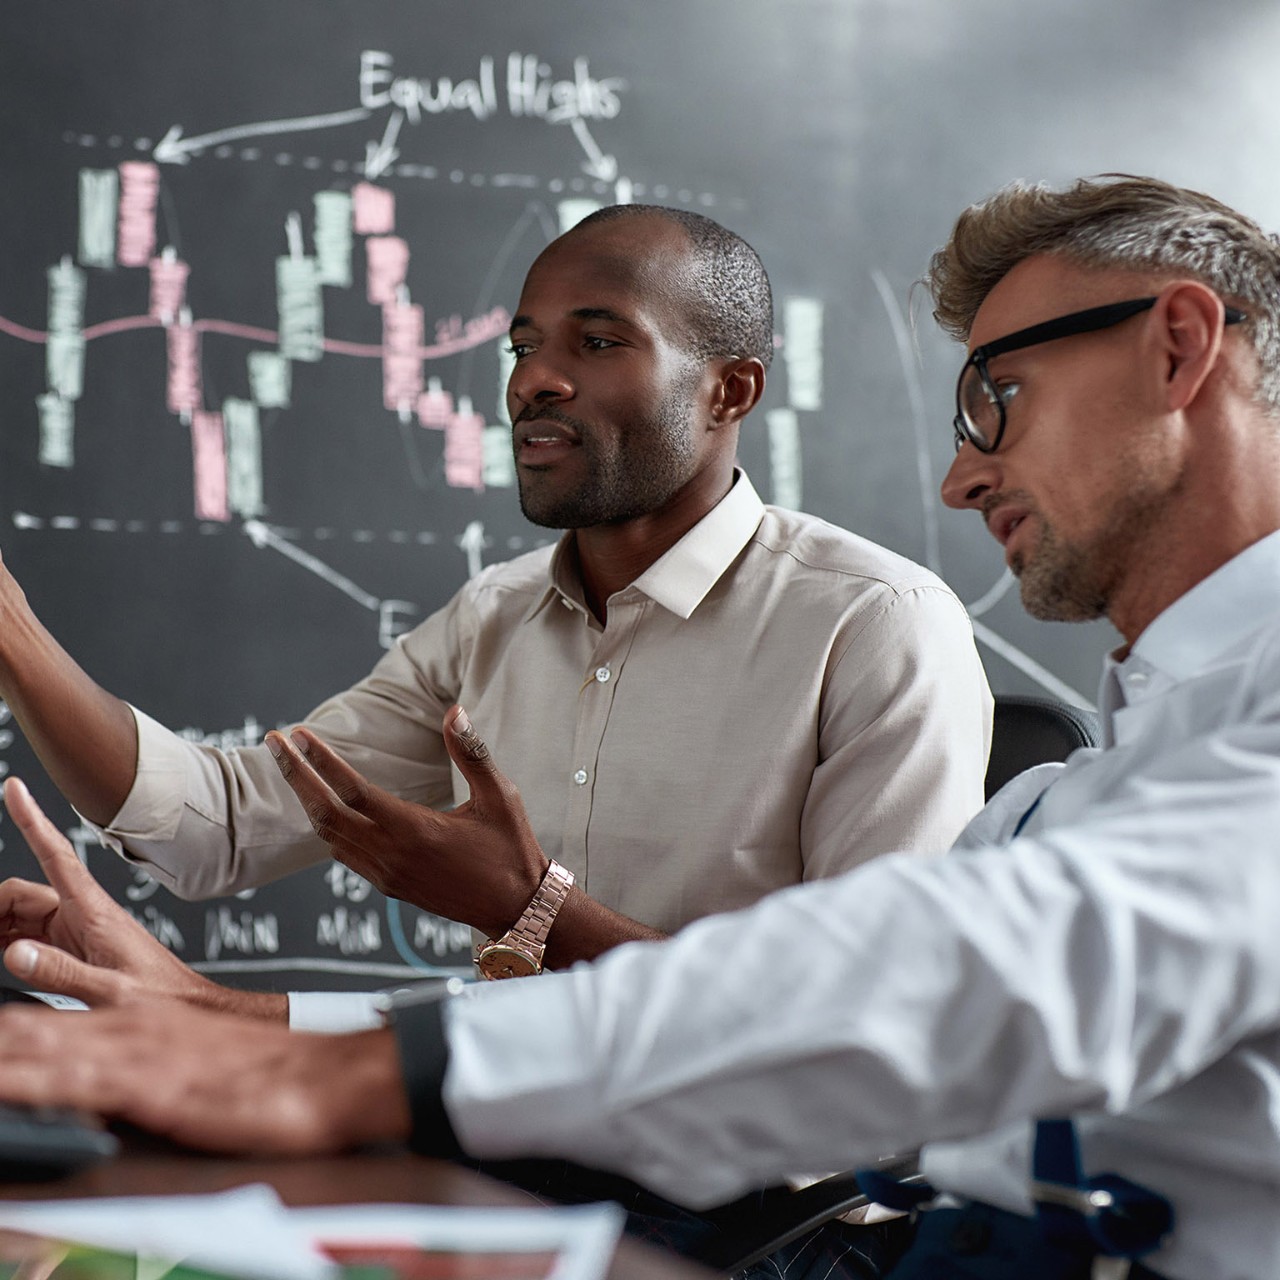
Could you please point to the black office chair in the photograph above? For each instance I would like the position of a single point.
(1026, 731)
(1029, 731)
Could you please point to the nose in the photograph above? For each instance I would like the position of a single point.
(971, 476)
(538, 378)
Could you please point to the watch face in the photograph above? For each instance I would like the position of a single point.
(505, 962)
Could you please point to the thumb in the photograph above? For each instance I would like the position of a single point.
(47, 968)
(468, 750)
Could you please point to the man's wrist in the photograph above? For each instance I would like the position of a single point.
(267, 1006)
(520, 951)
(424, 1060)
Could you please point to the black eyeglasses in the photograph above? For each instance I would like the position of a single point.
(980, 403)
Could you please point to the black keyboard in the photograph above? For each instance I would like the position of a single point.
(46, 1142)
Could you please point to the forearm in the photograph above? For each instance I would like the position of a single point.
(84, 736)
(836, 1021)
(585, 929)
(266, 1006)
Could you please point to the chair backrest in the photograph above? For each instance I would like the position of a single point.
(1030, 731)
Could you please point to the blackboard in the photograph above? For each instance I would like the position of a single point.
(256, 256)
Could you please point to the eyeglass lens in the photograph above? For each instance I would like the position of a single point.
(980, 407)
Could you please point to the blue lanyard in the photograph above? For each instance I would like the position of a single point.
(1026, 817)
(1106, 1213)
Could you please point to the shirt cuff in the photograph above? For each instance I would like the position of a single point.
(424, 1059)
(333, 1011)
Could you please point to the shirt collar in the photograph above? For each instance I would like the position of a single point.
(1217, 614)
(681, 577)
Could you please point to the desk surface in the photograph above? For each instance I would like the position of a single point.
(394, 1178)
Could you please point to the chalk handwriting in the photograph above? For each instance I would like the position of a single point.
(160, 927)
(142, 888)
(247, 735)
(351, 932)
(530, 90)
(245, 933)
(345, 883)
(439, 936)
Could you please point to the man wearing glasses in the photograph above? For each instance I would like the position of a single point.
(1076, 1014)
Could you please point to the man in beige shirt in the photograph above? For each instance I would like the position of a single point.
(826, 693)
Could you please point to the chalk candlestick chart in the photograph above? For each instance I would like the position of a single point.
(353, 228)
(226, 454)
(125, 225)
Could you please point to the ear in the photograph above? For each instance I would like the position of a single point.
(1189, 316)
(739, 386)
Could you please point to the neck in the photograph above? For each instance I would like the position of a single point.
(613, 556)
(1233, 506)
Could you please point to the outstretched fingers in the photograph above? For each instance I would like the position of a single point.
(26, 910)
(334, 796)
(64, 871)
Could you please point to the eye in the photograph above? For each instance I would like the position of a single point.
(519, 349)
(1007, 390)
(595, 343)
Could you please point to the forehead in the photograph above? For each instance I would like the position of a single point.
(637, 267)
(1045, 287)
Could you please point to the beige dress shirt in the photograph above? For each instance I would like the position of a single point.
(774, 700)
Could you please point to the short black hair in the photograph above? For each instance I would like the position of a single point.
(729, 294)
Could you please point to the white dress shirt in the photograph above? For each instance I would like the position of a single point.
(1118, 961)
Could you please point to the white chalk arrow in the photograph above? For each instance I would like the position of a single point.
(598, 165)
(380, 156)
(173, 148)
(263, 535)
(472, 542)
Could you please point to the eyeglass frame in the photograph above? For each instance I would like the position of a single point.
(1090, 320)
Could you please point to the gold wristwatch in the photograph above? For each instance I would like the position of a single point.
(518, 953)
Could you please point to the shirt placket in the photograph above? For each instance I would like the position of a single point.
(595, 706)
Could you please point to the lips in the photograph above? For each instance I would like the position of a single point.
(1003, 521)
(543, 439)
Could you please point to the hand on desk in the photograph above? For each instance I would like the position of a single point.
(208, 1080)
(479, 863)
(70, 937)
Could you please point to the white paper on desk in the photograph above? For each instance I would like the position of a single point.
(249, 1232)
(583, 1237)
(245, 1232)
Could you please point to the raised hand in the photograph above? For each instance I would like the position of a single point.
(69, 936)
(479, 863)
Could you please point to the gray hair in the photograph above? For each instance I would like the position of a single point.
(1116, 220)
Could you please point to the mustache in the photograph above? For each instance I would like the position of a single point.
(994, 501)
(545, 413)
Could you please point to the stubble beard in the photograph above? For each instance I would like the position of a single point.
(653, 461)
(1065, 581)
(1059, 581)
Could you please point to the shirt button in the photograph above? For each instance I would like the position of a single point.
(580, 777)
(603, 674)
